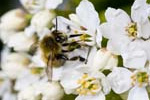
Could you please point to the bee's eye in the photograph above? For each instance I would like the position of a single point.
(60, 38)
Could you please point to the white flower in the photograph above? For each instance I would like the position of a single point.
(13, 20)
(85, 22)
(6, 88)
(51, 90)
(27, 78)
(128, 36)
(5, 35)
(122, 80)
(34, 6)
(37, 59)
(40, 23)
(86, 84)
(9, 96)
(28, 94)
(14, 64)
(104, 59)
(42, 90)
(4, 84)
(20, 42)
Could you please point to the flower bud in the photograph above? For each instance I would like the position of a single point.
(52, 90)
(13, 20)
(42, 19)
(14, 64)
(5, 35)
(40, 22)
(42, 91)
(34, 6)
(20, 42)
(104, 59)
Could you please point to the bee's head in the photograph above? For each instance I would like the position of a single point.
(59, 37)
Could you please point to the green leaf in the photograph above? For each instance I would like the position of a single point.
(120, 61)
(104, 42)
(113, 96)
(69, 97)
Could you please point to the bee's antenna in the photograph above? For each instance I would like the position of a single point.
(89, 50)
(56, 23)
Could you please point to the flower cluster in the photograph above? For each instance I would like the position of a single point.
(46, 57)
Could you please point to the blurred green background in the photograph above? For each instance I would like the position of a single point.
(69, 6)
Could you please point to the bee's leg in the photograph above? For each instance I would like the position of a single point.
(69, 47)
(77, 58)
(62, 56)
(65, 51)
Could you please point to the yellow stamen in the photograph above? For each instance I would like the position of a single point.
(88, 85)
(132, 30)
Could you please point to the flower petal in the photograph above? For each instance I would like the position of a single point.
(105, 29)
(87, 15)
(57, 72)
(143, 28)
(120, 80)
(134, 59)
(134, 56)
(139, 14)
(118, 44)
(99, 37)
(138, 93)
(139, 10)
(63, 24)
(118, 16)
(52, 4)
(100, 96)
(20, 42)
(69, 80)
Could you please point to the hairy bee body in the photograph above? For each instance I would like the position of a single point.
(51, 49)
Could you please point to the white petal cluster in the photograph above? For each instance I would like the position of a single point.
(11, 22)
(40, 23)
(42, 91)
(14, 64)
(34, 6)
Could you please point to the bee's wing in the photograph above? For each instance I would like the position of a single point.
(49, 68)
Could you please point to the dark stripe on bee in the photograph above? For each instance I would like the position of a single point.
(75, 35)
(77, 57)
(61, 56)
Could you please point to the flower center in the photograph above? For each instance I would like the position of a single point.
(88, 85)
(141, 78)
(132, 30)
(85, 37)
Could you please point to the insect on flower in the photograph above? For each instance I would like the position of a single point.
(55, 48)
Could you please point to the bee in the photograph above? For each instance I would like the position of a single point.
(53, 52)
